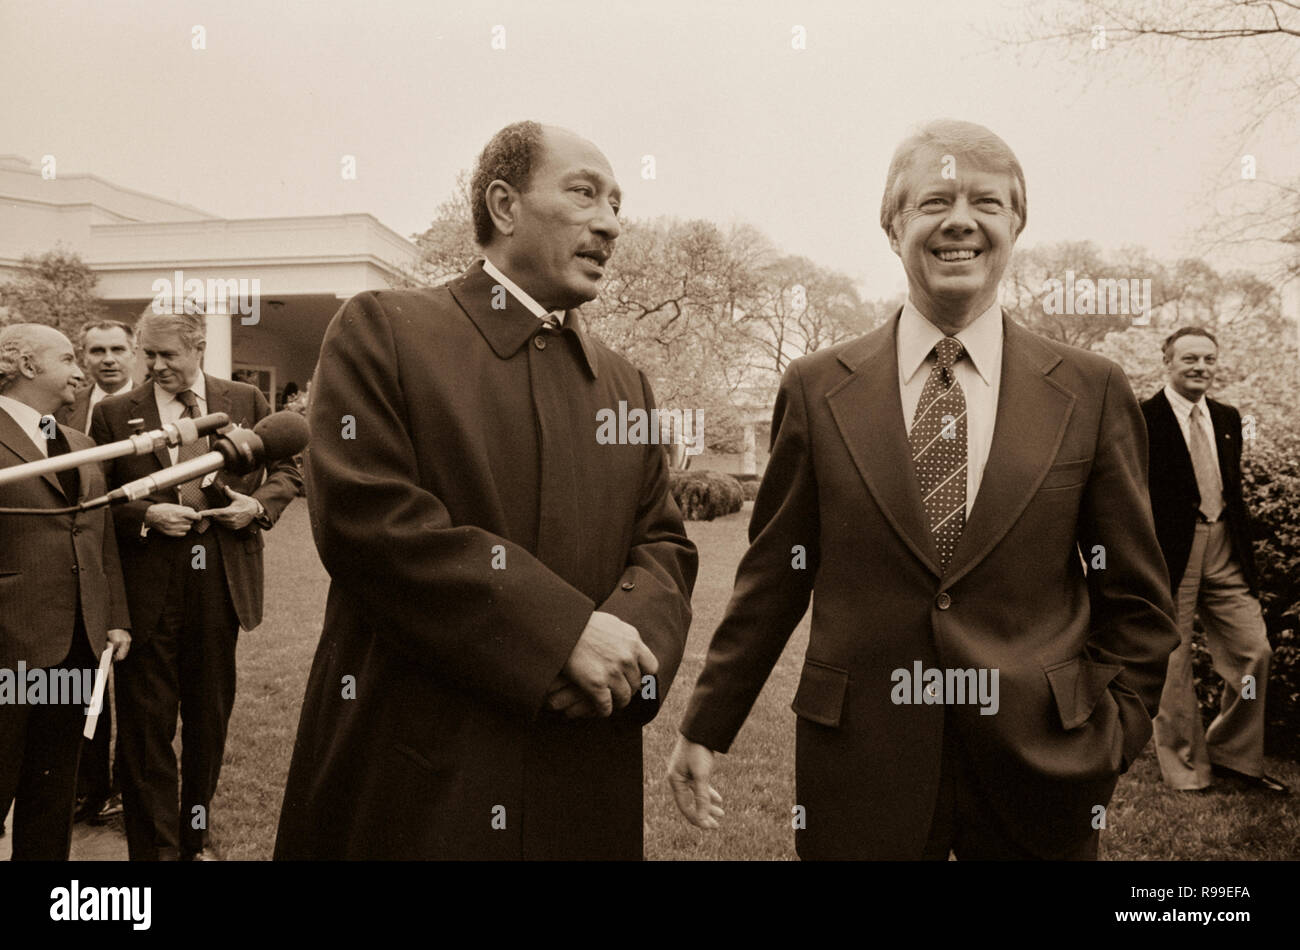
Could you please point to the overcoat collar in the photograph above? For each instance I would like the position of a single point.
(1032, 414)
(507, 329)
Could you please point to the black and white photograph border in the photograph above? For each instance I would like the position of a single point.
(726, 218)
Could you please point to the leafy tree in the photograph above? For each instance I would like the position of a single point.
(1025, 287)
(711, 316)
(1179, 43)
(56, 288)
(447, 246)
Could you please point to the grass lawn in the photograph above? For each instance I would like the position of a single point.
(1146, 819)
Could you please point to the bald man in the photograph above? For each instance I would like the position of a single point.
(61, 592)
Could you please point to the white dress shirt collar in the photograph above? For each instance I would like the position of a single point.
(519, 294)
(27, 419)
(200, 389)
(1182, 406)
(98, 393)
(981, 339)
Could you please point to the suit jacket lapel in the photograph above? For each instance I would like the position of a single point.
(86, 475)
(144, 406)
(868, 410)
(218, 393)
(80, 411)
(22, 445)
(1033, 411)
(1167, 437)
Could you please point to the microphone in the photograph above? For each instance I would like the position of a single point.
(181, 432)
(277, 436)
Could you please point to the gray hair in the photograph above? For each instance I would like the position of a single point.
(191, 327)
(953, 137)
(510, 156)
(17, 343)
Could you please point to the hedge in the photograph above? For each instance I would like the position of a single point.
(703, 496)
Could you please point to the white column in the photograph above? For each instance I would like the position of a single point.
(217, 356)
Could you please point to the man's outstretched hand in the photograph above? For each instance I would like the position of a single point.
(689, 769)
(604, 669)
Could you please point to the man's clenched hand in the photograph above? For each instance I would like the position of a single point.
(607, 663)
(172, 520)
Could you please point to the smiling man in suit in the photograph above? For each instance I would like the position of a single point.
(509, 597)
(61, 593)
(935, 482)
(1204, 530)
(193, 578)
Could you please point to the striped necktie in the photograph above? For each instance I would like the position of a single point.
(938, 440)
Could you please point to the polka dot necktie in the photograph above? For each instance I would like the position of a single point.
(938, 440)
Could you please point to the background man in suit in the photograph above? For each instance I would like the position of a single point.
(501, 584)
(934, 482)
(108, 355)
(61, 593)
(1204, 531)
(193, 578)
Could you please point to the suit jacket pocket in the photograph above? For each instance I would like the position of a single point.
(820, 696)
(1077, 685)
(1067, 474)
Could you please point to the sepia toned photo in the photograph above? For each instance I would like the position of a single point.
(536, 432)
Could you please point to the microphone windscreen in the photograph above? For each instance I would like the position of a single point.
(283, 434)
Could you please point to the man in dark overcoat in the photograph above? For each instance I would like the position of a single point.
(510, 592)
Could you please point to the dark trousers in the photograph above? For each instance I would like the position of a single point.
(94, 778)
(186, 663)
(39, 749)
(970, 829)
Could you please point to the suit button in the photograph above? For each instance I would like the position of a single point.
(943, 601)
(628, 585)
(76, 531)
(539, 341)
(75, 569)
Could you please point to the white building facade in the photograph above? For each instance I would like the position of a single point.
(303, 267)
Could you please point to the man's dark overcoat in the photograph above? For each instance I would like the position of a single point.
(471, 521)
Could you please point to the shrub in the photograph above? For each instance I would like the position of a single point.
(703, 496)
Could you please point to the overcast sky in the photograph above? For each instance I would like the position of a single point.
(741, 126)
